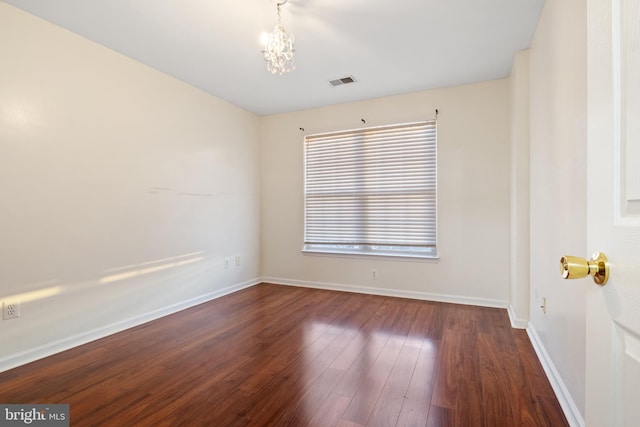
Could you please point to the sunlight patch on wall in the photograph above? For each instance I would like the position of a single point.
(151, 267)
(35, 295)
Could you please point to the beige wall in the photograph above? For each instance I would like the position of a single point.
(122, 190)
(473, 198)
(558, 191)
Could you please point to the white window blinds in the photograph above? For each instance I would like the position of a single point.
(372, 190)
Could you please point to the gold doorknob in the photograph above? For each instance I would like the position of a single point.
(573, 267)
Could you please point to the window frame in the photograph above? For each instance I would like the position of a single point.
(422, 251)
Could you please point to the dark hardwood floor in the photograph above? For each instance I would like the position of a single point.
(283, 356)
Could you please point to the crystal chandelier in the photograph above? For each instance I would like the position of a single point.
(278, 48)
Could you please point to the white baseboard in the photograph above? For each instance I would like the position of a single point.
(483, 302)
(571, 412)
(49, 349)
(515, 322)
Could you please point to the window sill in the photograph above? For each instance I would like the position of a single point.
(365, 253)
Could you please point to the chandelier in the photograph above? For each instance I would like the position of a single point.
(278, 47)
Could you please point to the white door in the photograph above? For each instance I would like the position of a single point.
(613, 215)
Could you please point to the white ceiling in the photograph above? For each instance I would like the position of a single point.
(390, 47)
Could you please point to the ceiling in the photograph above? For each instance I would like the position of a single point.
(389, 47)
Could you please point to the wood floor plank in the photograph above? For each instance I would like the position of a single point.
(415, 408)
(373, 343)
(343, 423)
(330, 413)
(449, 374)
(550, 413)
(441, 417)
(496, 390)
(389, 404)
(371, 386)
(470, 406)
(276, 355)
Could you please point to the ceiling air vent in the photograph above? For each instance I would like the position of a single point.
(342, 81)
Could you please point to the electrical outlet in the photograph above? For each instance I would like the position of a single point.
(237, 260)
(544, 305)
(374, 273)
(227, 263)
(10, 310)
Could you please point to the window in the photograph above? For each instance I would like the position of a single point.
(372, 191)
